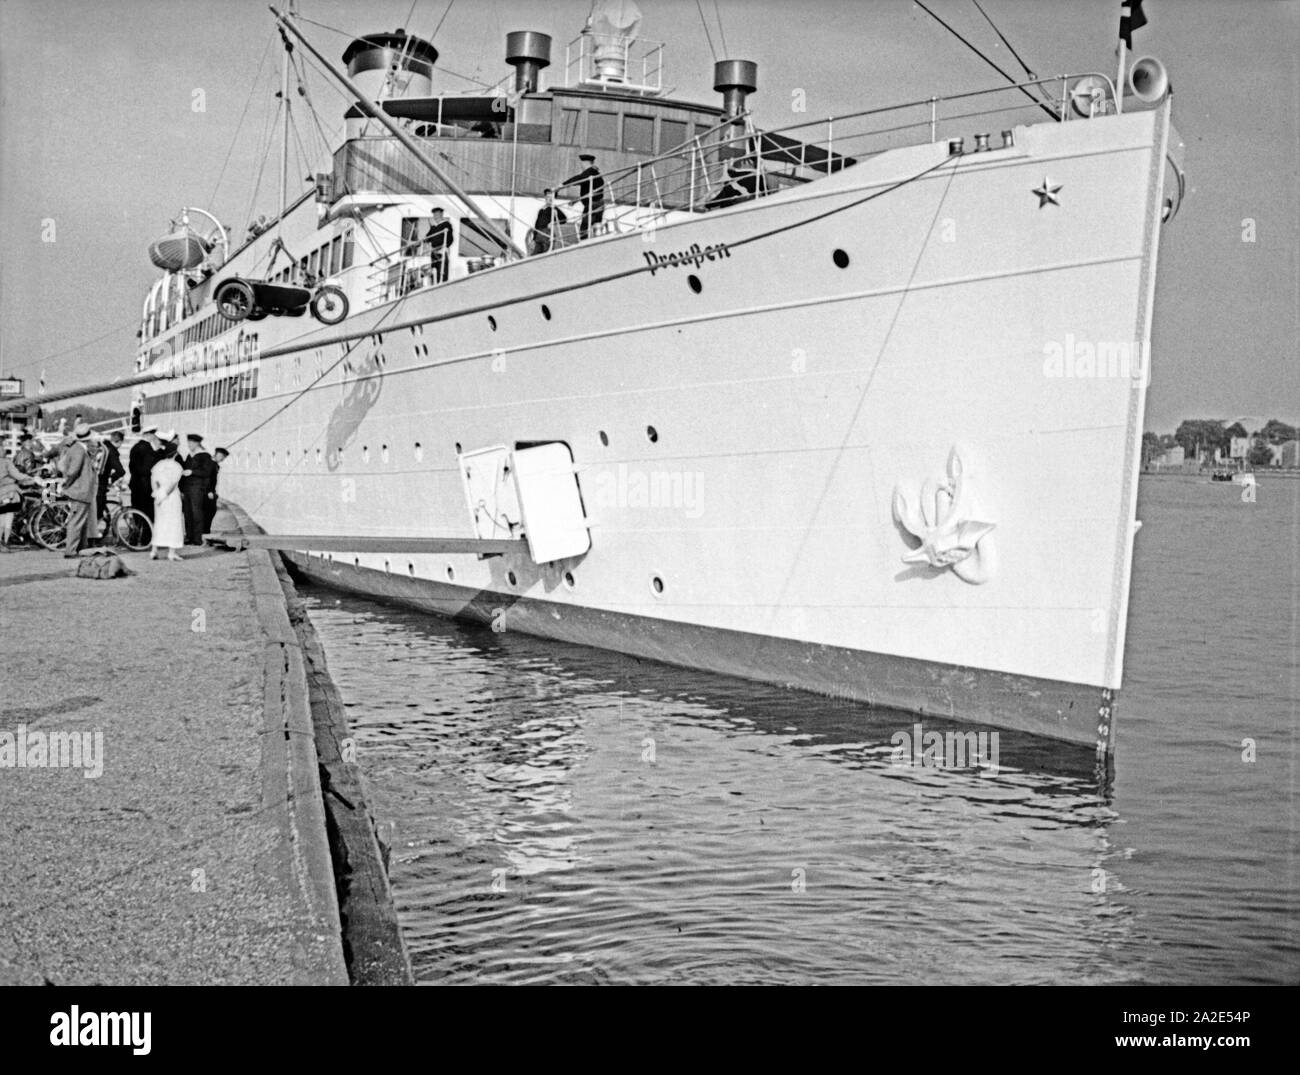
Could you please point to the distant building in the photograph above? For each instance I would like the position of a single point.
(1238, 447)
(1286, 454)
(1170, 457)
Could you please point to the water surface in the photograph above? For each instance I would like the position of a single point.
(560, 814)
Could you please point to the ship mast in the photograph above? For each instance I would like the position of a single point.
(382, 117)
(284, 132)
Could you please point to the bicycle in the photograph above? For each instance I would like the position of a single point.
(48, 523)
(128, 527)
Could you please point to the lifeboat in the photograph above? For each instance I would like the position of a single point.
(179, 250)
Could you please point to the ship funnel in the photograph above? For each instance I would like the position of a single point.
(613, 27)
(1148, 80)
(527, 51)
(735, 80)
(391, 65)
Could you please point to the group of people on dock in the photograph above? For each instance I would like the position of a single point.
(88, 464)
(173, 484)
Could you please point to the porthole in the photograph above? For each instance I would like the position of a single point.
(383, 452)
(319, 457)
(492, 323)
(410, 569)
(841, 259)
(419, 452)
(656, 585)
(451, 573)
(365, 453)
(569, 580)
(458, 447)
(356, 562)
(388, 567)
(651, 434)
(694, 281)
(546, 311)
(512, 578)
(604, 439)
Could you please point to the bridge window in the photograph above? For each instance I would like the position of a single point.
(639, 134)
(336, 255)
(602, 130)
(570, 129)
(672, 133)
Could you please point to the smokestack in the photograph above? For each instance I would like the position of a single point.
(735, 80)
(391, 65)
(527, 51)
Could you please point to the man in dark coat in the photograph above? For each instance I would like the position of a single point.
(144, 454)
(194, 485)
(110, 470)
(591, 192)
(210, 504)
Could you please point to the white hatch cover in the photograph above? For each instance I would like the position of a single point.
(551, 502)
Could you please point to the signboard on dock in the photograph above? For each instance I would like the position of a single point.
(11, 386)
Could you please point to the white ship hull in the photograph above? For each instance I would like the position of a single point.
(789, 399)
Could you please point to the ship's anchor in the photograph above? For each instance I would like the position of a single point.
(942, 522)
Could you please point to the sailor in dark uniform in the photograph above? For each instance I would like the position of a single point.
(591, 192)
(438, 240)
(194, 484)
(548, 221)
(144, 454)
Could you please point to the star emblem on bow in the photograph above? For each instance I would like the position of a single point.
(1047, 193)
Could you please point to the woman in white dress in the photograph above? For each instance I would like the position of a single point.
(168, 518)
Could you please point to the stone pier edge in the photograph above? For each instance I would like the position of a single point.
(340, 864)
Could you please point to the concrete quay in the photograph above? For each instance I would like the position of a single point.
(159, 783)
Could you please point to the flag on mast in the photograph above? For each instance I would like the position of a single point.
(1130, 19)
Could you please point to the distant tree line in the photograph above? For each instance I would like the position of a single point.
(94, 415)
(1199, 437)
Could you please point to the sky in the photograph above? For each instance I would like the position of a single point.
(115, 113)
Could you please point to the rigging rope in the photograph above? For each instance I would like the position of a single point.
(722, 34)
(1037, 100)
(707, 36)
(446, 11)
(266, 51)
(1023, 66)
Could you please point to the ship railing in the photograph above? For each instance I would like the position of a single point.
(690, 176)
(590, 60)
(397, 275)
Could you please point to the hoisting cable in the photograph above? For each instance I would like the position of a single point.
(722, 36)
(1050, 111)
(707, 36)
(1023, 66)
